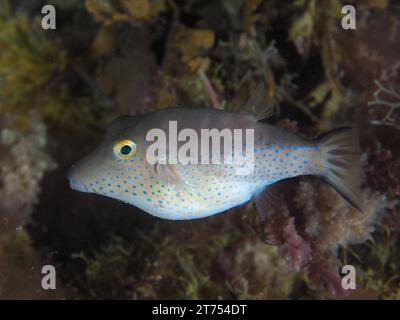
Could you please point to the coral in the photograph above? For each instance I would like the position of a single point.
(296, 250)
(288, 125)
(309, 238)
(20, 266)
(315, 26)
(227, 265)
(253, 63)
(109, 11)
(324, 275)
(377, 263)
(330, 223)
(248, 265)
(131, 57)
(158, 268)
(383, 172)
(335, 223)
(108, 271)
(23, 162)
(388, 98)
(28, 60)
(38, 73)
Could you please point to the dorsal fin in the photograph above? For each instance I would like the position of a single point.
(257, 103)
(121, 123)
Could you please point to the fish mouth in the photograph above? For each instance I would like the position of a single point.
(74, 184)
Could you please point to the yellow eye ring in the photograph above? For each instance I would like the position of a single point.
(125, 149)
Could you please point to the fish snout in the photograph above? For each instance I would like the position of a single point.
(86, 174)
(73, 182)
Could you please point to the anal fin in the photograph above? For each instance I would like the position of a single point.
(264, 201)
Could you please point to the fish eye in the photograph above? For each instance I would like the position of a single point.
(125, 149)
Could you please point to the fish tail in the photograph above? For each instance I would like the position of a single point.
(341, 153)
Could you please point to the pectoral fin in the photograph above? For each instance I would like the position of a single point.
(170, 174)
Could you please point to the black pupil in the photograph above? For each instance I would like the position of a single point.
(125, 150)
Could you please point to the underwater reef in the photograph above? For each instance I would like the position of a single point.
(60, 88)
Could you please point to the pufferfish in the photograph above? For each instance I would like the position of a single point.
(119, 168)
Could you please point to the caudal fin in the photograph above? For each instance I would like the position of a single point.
(342, 168)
